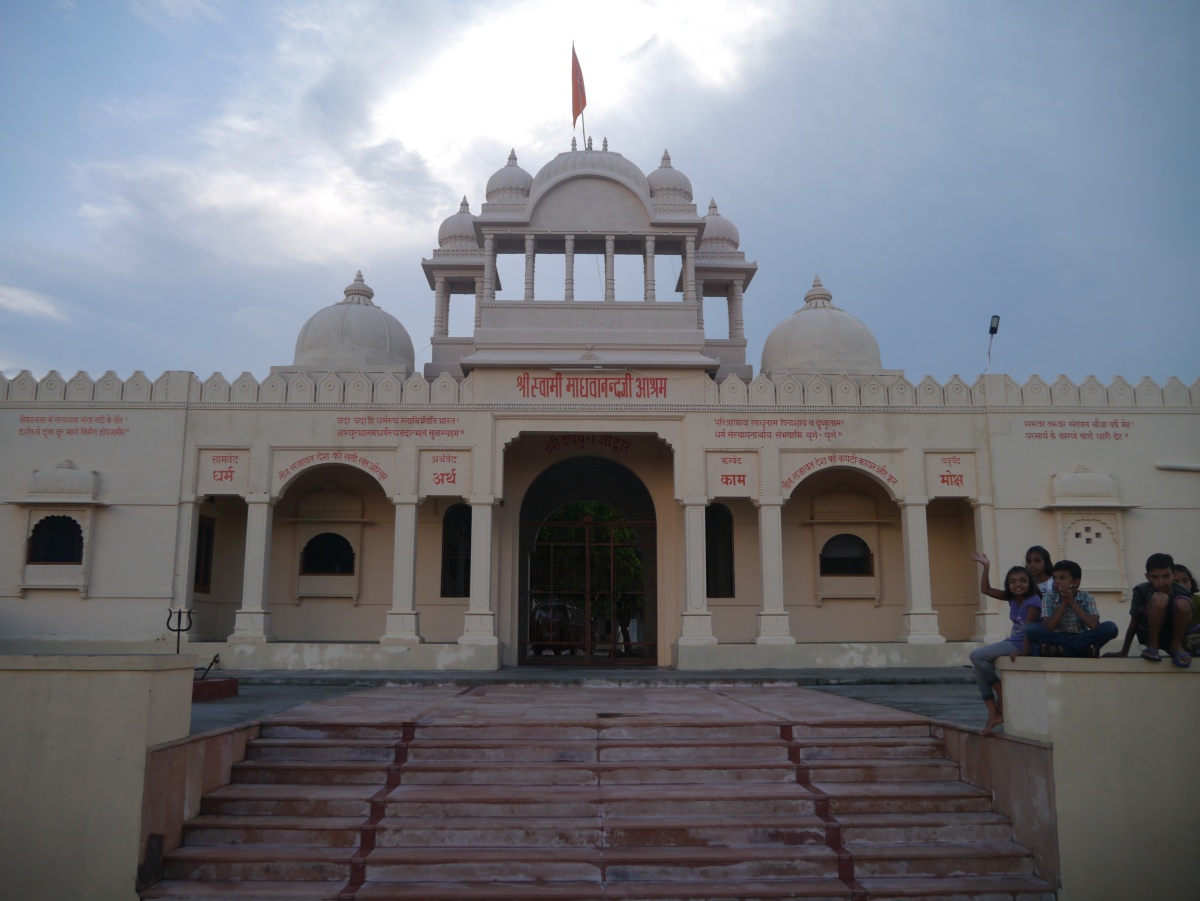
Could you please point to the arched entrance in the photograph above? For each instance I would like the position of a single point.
(588, 574)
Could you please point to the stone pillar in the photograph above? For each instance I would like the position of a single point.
(489, 268)
(920, 620)
(773, 627)
(402, 625)
(610, 285)
(649, 269)
(441, 307)
(696, 628)
(478, 301)
(736, 323)
(689, 269)
(991, 621)
(569, 282)
(479, 626)
(185, 555)
(252, 622)
(530, 258)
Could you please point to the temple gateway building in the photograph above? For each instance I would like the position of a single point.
(580, 479)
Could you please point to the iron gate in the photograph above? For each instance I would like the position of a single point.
(588, 600)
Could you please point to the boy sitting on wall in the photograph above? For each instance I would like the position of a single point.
(1160, 611)
(1070, 622)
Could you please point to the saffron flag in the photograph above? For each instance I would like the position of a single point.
(578, 95)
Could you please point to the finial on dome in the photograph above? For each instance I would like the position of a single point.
(666, 160)
(589, 143)
(358, 291)
(573, 147)
(818, 295)
(512, 157)
(712, 207)
(464, 207)
(64, 464)
(604, 146)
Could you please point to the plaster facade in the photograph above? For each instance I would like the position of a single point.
(578, 479)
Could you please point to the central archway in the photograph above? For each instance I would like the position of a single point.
(588, 575)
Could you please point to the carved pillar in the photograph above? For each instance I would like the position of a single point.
(649, 267)
(402, 625)
(529, 263)
(991, 621)
(689, 268)
(479, 625)
(252, 621)
(489, 268)
(610, 243)
(478, 301)
(441, 307)
(569, 283)
(185, 557)
(773, 625)
(736, 323)
(920, 620)
(696, 628)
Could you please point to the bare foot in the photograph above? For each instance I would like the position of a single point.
(993, 720)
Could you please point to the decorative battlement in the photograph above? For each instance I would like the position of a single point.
(389, 388)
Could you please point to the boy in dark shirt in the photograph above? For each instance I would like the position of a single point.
(1159, 612)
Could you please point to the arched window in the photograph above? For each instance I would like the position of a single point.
(456, 552)
(718, 551)
(846, 555)
(56, 539)
(327, 554)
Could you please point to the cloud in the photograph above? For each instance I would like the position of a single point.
(29, 303)
(168, 13)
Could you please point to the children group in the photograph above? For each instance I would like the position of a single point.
(1051, 616)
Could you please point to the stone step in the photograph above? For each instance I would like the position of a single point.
(507, 832)
(524, 864)
(815, 889)
(899, 769)
(321, 749)
(904, 728)
(886, 748)
(222, 890)
(951, 826)
(423, 749)
(619, 729)
(760, 750)
(940, 858)
(320, 832)
(722, 864)
(259, 861)
(958, 888)
(290, 800)
(715, 831)
(631, 773)
(310, 772)
(903, 797)
(306, 729)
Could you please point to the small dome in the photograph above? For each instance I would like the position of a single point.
(668, 183)
(510, 183)
(719, 233)
(603, 163)
(354, 334)
(820, 338)
(459, 230)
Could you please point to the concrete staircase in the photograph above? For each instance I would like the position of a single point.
(615, 808)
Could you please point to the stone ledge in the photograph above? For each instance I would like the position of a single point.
(110, 662)
(1132, 665)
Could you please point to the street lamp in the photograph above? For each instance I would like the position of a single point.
(992, 329)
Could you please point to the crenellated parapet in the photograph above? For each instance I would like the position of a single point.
(392, 388)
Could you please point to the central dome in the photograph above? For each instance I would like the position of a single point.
(354, 334)
(820, 338)
(597, 162)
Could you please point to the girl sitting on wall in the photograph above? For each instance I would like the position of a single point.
(1024, 606)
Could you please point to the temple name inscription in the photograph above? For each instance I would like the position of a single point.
(582, 387)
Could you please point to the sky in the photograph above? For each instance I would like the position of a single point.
(183, 183)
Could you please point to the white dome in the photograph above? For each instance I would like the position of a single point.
(667, 182)
(459, 230)
(820, 338)
(353, 335)
(510, 183)
(598, 162)
(719, 233)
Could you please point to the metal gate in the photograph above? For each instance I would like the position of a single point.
(588, 601)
